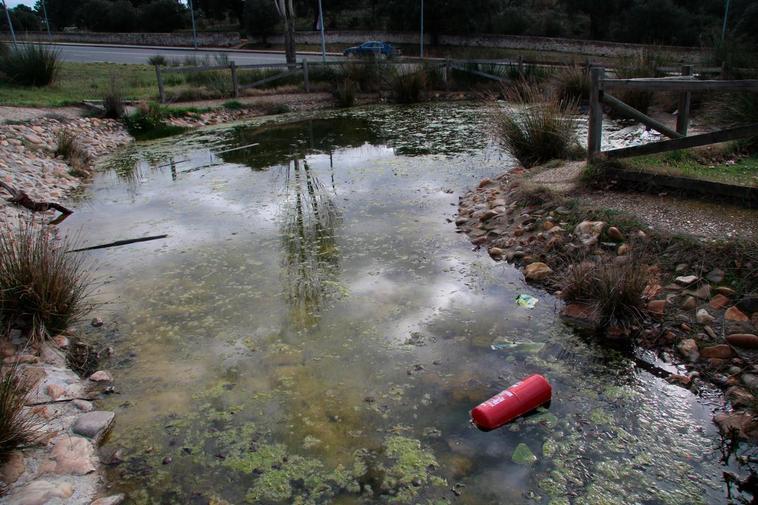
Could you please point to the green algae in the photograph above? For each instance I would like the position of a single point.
(523, 455)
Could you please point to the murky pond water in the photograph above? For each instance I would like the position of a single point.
(313, 330)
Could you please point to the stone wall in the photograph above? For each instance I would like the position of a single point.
(560, 45)
(181, 39)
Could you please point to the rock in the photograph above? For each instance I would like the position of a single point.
(750, 380)
(101, 376)
(537, 271)
(615, 234)
(168, 460)
(710, 332)
(703, 317)
(61, 341)
(723, 290)
(496, 252)
(745, 340)
(70, 455)
(485, 182)
(735, 314)
(580, 315)
(83, 405)
(681, 267)
(715, 276)
(687, 280)
(40, 492)
(55, 391)
(522, 455)
(651, 291)
(682, 380)
(741, 422)
(689, 303)
(588, 232)
(719, 301)
(32, 138)
(94, 424)
(703, 292)
(13, 468)
(740, 397)
(688, 349)
(720, 351)
(116, 499)
(657, 307)
(52, 356)
(97, 322)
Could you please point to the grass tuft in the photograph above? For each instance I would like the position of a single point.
(344, 91)
(42, 288)
(74, 154)
(408, 86)
(31, 65)
(541, 130)
(17, 426)
(157, 59)
(113, 101)
(573, 84)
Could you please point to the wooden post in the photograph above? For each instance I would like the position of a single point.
(446, 74)
(305, 77)
(161, 92)
(595, 130)
(521, 66)
(235, 81)
(683, 119)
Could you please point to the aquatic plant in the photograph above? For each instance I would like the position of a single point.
(113, 101)
(344, 92)
(148, 122)
(612, 290)
(641, 65)
(40, 285)
(573, 84)
(408, 86)
(17, 426)
(542, 129)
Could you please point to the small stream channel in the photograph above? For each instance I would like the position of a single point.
(313, 330)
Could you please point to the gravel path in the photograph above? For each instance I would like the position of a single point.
(31, 113)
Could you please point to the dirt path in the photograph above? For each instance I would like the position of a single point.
(10, 114)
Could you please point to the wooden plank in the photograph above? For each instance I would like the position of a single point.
(235, 81)
(481, 74)
(267, 65)
(685, 142)
(639, 116)
(683, 117)
(271, 78)
(679, 84)
(595, 129)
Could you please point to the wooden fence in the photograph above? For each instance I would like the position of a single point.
(685, 85)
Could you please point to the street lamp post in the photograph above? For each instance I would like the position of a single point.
(421, 41)
(323, 38)
(47, 21)
(726, 17)
(194, 30)
(10, 23)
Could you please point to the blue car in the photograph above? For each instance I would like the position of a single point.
(372, 48)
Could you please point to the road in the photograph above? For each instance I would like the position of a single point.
(140, 54)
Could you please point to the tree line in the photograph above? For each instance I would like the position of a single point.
(679, 22)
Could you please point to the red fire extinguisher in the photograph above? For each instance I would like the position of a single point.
(517, 400)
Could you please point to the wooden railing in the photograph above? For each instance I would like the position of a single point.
(685, 84)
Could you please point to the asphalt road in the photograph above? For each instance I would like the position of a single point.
(128, 54)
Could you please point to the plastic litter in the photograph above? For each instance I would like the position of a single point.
(517, 400)
(527, 301)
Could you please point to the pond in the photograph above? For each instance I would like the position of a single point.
(314, 330)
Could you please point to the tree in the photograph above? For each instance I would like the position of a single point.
(60, 13)
(163, 16)
(107, 16)
(286, 11)
(24, 19)
(260, 18)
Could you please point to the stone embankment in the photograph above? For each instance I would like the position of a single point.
(28, 160)
(698, 312)
(62, 466)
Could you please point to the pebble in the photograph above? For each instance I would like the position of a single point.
(746, 340)
(101, 376)
(704, 317)
(735, 314)
(537, 271)
(719, 301)
(96, 322)
(688, 348)
(94, 424)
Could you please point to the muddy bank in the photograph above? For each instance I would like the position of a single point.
(699, 313)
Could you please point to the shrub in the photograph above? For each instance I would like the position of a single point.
(344, 92)
(218, 81)
(17, 426)
(613, 291)
(642, 65)
(368, 75)
(408, 87)
(113, 101)
(148, 122)
(40, 284)
(71, 151)
(31, 65)
(540, 131)
(573, 84)
(157, 59)
(234, 105)
(269, 108)
(736, 109)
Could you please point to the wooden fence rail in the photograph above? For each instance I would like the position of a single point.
(685, 85)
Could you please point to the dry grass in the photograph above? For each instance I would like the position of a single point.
(74, 154)
(573, 84)
(42, 289)
(612, 290)
(542, 129)
(17, 426)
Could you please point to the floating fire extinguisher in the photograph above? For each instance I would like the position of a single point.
(517, 400)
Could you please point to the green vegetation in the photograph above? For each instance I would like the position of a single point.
(113, 101)
(643, 65)
(148, 122)
(31, 65)
(40, 284)
(730, 167)
(540, 130)
(17, 427)
(344, 91)
(408, 86)
(83, 81)
(573, 84)
(157, 59)
(72, 151)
